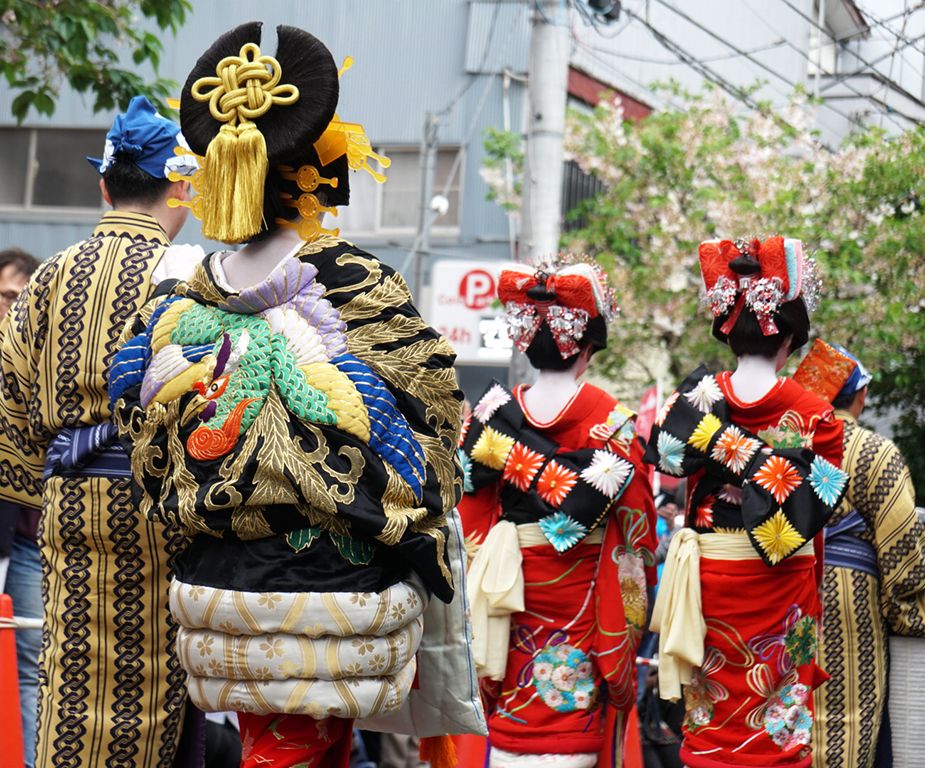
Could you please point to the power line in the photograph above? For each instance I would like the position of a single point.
(868, 97)
(889, 76)
(733, 90)
(883, 22)
(740, 52)
(485, 51)
(676, 62)
(867, 64)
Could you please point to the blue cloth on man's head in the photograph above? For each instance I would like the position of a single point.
(860, 377)
(142, 137)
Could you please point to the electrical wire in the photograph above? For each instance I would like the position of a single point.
(485, 51)
(901, 36)
(867, 64)
(740, 52)
(869, 15)
(676, 62)
(855, 93)
(740, 94)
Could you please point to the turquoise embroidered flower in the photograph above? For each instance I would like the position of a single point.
(827, 480)
(670, 453)
(562, 531)
(563, 676)
(466, 463)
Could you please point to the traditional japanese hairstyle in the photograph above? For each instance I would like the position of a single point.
(759, 292)
(556, 309)
(266, 133)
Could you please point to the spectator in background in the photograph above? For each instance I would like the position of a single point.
(18, 529)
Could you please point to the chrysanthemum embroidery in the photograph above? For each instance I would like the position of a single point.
(562, 531)
(779, 477)
(666, 409)
(734, 450)
(607, 473)
(670, 453)
(777, 537)
(827, 480)
(700, 439)
(491, 401)
(705, 395)
(465, 464)
(703, 515)
(522, 466)
(555, 483)
(492, 448)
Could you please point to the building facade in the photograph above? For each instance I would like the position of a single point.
(465, 61)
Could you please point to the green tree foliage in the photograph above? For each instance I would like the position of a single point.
(713, 170)
(84, 43)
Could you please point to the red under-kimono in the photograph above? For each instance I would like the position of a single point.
(751, 701)
(575, 634)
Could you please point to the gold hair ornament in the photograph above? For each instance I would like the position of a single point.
(243, 89)
(338, 139)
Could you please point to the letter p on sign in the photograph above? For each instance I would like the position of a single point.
(477, 289)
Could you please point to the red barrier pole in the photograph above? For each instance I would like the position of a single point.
(11, 756)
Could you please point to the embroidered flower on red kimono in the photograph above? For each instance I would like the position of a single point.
(703, 692)
(777, 537)
(465, 464)
(734, 449)
(632, 577)
(827, 480)
(555, 483)
(670, 454)
(703, 516)
(492, 448)
(801, 641)
(787, 718)
(779, 477)
(607, 473)
(522, 466)
(491, 401)
(562, 678)
(798, 632)
(700, 438)
(562, 531)
(666, 408)
(705, 395)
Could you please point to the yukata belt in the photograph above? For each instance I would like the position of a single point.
(844, 547)
(87, 451)
(495, 585)
(678, 612)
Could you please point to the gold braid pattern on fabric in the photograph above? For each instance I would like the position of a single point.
(243, 89)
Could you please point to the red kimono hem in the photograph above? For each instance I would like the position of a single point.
(554, 744)
(692, 760)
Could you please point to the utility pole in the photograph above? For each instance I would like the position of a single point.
(546, 91)
(544, 156)
(426, 214)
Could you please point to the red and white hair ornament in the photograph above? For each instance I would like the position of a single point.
(565, 294)
(758, 276)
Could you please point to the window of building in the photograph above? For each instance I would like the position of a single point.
(47, 168)
(400, 197)
(823, 51)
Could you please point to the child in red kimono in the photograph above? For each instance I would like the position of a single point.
(559, 513)
(763, 456)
